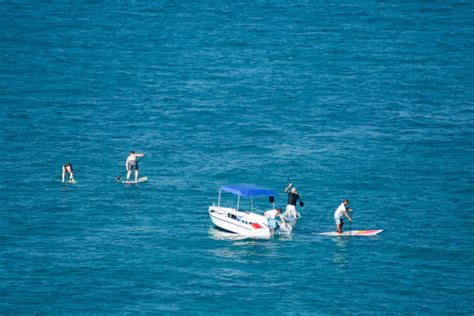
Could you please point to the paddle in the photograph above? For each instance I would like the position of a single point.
(349, 209)
(350, 228)
(117, 179)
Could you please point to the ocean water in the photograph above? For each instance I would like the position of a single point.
(367, 100)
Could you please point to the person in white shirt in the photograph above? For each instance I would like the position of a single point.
(271, 216)
(132, 164)
(341, 210)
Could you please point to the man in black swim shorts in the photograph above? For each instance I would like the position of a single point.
(67, 168)
(132, 164)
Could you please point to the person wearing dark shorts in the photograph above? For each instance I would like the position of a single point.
(67, 169)
(132, 164)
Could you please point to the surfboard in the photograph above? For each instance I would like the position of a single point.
(371, 232)
(69, 182)
(140, 180)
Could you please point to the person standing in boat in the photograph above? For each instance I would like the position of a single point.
(342, 210)
(132, 164)
(67, 169)
(292, 199)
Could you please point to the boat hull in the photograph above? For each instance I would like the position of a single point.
(242, 223)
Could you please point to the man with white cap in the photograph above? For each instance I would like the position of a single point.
(338, 218)
(292, 199)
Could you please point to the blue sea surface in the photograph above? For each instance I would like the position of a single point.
(366, 100)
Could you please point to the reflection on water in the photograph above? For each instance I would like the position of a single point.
(218, 234)
(229, 274)
(340, 255)
(246, 248)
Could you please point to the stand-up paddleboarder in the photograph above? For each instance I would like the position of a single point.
(67, 169)
(132, 164)
(341, 210)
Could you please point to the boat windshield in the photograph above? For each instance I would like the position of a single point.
(249, 193)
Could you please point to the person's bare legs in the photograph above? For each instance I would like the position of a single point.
(136, 175)
(128, 174)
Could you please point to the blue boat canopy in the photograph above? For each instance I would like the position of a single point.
(246, 190)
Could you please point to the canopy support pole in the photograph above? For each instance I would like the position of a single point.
(238, 203)
(219, 200)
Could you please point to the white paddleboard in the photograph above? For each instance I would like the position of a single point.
(69, 182)
(371, 232)
(140, 180)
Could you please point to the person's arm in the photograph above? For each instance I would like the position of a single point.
(63, 174)
(288, 187)
(282, 220)
(140, 155)
(126, 163)
(347, 215)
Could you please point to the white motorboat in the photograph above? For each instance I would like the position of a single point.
(240, 221)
